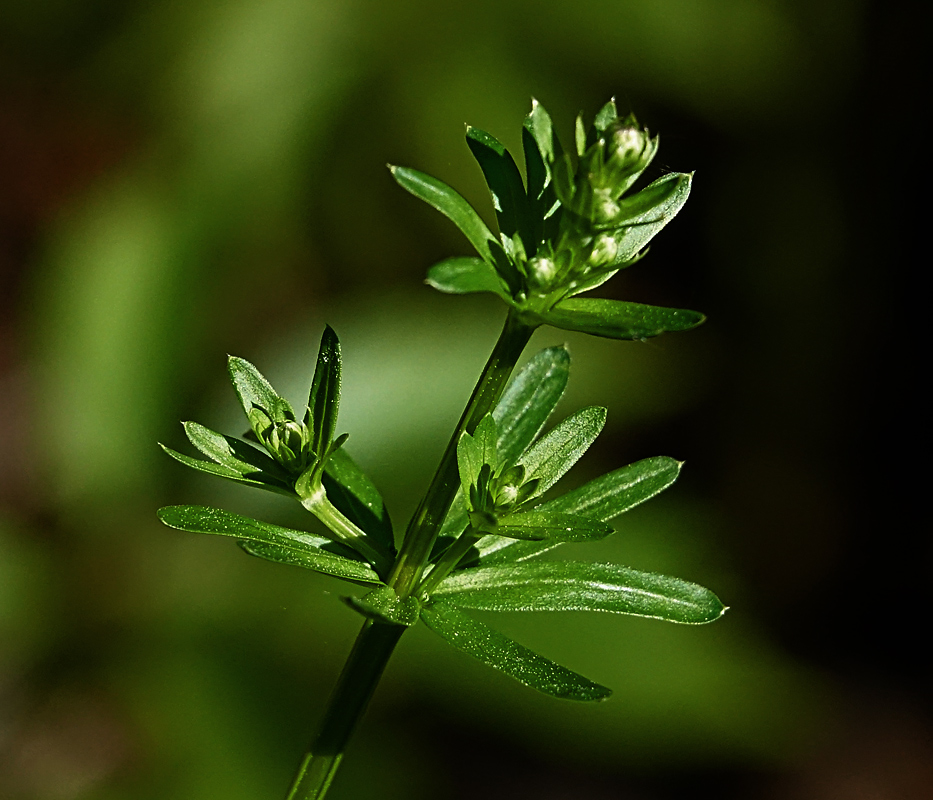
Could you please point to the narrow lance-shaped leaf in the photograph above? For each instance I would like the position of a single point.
(324, 399)
(258, 480)
(498, 651)
(615, 319)
(307, 559)
(254, 390)
(538, 125)
(233, 453)
(357, 498)
(469, 461)
(529, 400)
(553, 526)
(505, 185)
(648, 211)
(574, 586)
(335, 560)
(602, 499)
(485, 436)
(465, 275)
(450, 203)
(610, 495)
(552, 455)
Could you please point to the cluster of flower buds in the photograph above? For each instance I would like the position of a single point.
(564, 229)
(607, 169)
(287, 440)
(496, 494)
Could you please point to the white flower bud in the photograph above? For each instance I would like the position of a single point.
(541, 271)
(604, 251)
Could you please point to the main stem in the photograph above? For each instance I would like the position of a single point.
(351, 696)
(377, 641)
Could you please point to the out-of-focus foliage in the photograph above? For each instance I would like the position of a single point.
(180, 181)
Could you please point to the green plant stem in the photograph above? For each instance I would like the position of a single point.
(343, 530)
(449, 560)
(371, 652)
(376, 641)
(426, 521)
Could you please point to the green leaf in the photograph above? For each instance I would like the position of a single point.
(305, 549)
(465, 275)
(538, 126)
(516, 531)
(555, 453)
(475, 451)
(553, 526)
(240, 456)
(451, 204)
(469, 461)
(647, 212)
(345, 569)
(498, 651)
(579, 135)
(606, 116)
(505, 185)
(384, 605)
(662, 198)
(529, 400)
(254, 390)
(260, 480)
(358, 499)
(457, 517)
(324, 399)
(485, 436)
(615, 319)
(615, 493)
(575, 586)
(601, 499)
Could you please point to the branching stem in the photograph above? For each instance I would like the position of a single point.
(376, 641)
(426, 521)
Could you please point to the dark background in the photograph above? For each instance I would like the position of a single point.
(180, 181)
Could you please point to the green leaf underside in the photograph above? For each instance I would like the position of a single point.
(258, 480)
(325, 563)
(615, 319)
(505, 184)
(552, 455)
(529, 400)
(576, 586)
(662, 200)
(602, 499)
(324, 398)
(236, 454)
(357, 498)
(450, 203)
(502, 653)
(465, 275)
(253, 389)
(305, 549)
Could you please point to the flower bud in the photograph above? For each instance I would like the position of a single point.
(604, 251)
(541, 272)
(285, 442)
(628, 147)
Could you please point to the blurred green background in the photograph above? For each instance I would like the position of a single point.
(183, 180)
